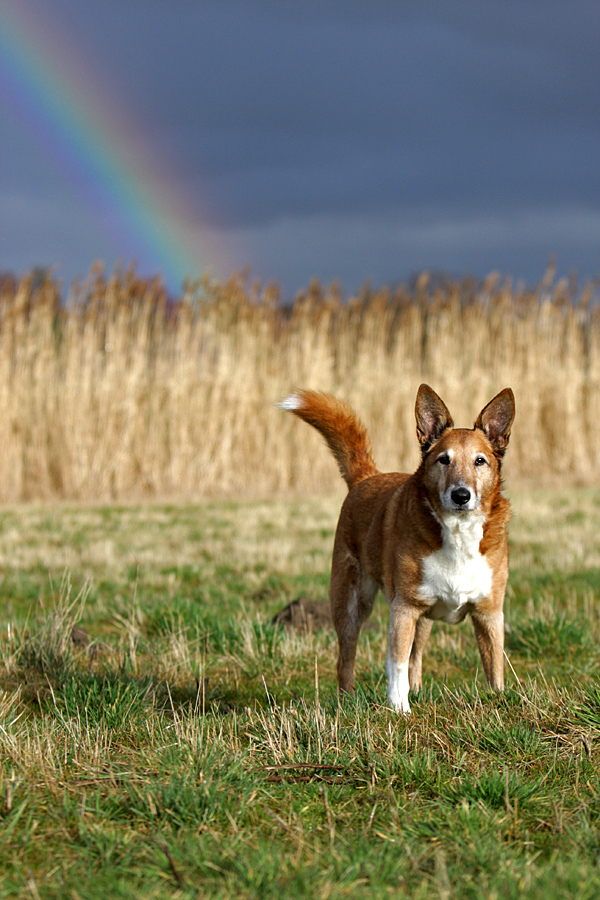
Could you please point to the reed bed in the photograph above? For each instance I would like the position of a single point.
(120, 392)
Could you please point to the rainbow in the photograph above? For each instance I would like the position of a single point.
(139, 202)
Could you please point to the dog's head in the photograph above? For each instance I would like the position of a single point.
(461, 466)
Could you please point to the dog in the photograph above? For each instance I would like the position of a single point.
(434, 542)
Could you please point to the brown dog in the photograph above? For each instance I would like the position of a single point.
(434, 542)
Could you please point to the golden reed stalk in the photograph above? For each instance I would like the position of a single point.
(119, 394)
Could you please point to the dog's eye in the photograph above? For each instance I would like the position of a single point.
(444, 460)
(481, 461)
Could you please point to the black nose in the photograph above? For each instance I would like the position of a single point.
(460, 496)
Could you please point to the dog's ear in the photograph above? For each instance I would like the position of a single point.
(432, 417)
(496, 420)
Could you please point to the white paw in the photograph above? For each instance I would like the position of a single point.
(398, 685)
(399, 704)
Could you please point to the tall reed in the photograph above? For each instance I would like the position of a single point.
(119, 393)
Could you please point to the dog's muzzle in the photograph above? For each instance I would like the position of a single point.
(460, 496)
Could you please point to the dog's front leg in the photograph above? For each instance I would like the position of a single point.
(489, 631)
(403, 622)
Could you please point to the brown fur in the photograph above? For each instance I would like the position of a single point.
(433, 553)
(343, 431)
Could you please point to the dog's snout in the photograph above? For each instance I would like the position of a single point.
(460, 496)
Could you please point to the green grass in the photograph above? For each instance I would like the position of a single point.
(192, 749)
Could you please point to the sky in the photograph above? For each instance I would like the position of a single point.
(355, 141)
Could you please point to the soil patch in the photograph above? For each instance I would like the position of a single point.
(304, 615)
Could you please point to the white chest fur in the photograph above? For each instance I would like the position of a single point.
(456, 576)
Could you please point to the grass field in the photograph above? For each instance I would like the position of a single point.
(193, 749)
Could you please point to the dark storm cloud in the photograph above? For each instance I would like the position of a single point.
(322, 124)
(377, 108)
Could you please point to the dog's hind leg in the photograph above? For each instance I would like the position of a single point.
(352, 594)
(415, 663)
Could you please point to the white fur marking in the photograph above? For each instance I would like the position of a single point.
(291, 403)
(457, 574)
(397, 684)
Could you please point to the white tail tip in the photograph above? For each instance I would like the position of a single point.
(291, 403)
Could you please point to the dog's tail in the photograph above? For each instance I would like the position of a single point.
(343, 431)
